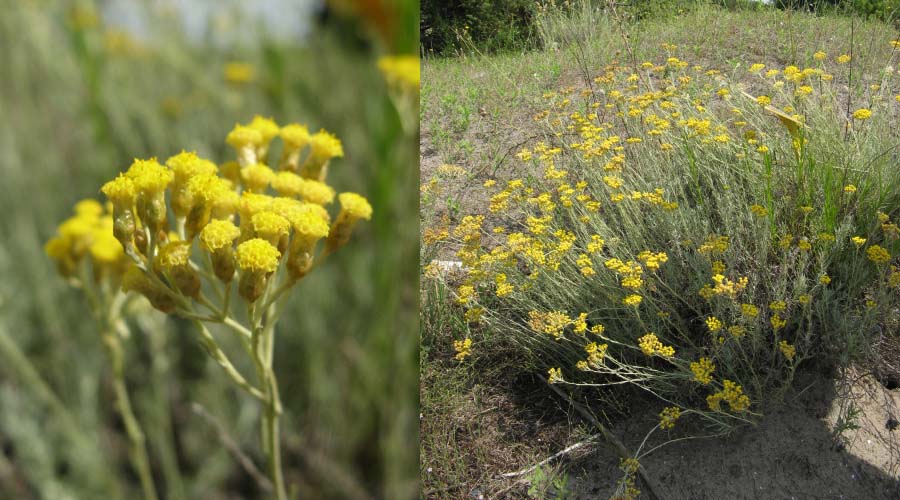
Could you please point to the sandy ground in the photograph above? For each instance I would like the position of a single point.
(792, 454)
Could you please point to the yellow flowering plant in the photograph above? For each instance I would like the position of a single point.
(704, 238)
(217, 245)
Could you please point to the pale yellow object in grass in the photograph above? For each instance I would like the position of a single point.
(790, 123)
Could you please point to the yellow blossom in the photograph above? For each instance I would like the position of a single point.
(703, 370)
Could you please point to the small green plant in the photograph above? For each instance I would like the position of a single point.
(544, 485)
(847, 420)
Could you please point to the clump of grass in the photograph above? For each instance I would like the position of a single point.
(694, 236)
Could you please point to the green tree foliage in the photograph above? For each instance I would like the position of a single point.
(490, 25)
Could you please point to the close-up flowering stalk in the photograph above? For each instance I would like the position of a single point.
(215, 251)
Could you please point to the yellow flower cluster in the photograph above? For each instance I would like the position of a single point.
(777, 321)
(878, 254)
(650, 345)
(463, 348)
(596, 354)
(651, 260)
(732, 394)
(714, 245)
(270, 230)
(88, 237)
(630, 272)
(554, 376)
(703, 370)
(714, 324)
(552, 323)
(787, 349)
(668, 417)
(724, 286)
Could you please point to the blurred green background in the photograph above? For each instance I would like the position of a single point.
(86, 87)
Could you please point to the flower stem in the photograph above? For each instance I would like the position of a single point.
(269, 435)
(138, 451)
(273, 447)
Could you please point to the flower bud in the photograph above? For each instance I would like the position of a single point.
(174, 259)
(150, 182)
(353, 208)
(272, 228)
(257, 260)
(206, 190)
(185, 166)
(323, 147)
(135, 280)
(245, 141)
(216, 238)
(309, 227)
(268, 129)
(121, 193)
(295, 138)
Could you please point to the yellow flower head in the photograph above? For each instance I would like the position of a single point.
(862, 114)
(218, 234)
(174, 254)
(89, 208)
(401, 71)
(242, 136)
(843, 59)
(270, 226)
(186, 165)
(266, 127)
(252, 203)
(206, 188)
(105, 248)
(257, 255)
(818, 56)
(308, 222)
(239, 72)
(858, 241)
(149, 177)
(632, 300)
(120, 191)
(316, 192)
(325, 146)
(287, 183)
(295, 136)
(355, 206)
(257, 177)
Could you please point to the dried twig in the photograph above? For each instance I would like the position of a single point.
(552, 457)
